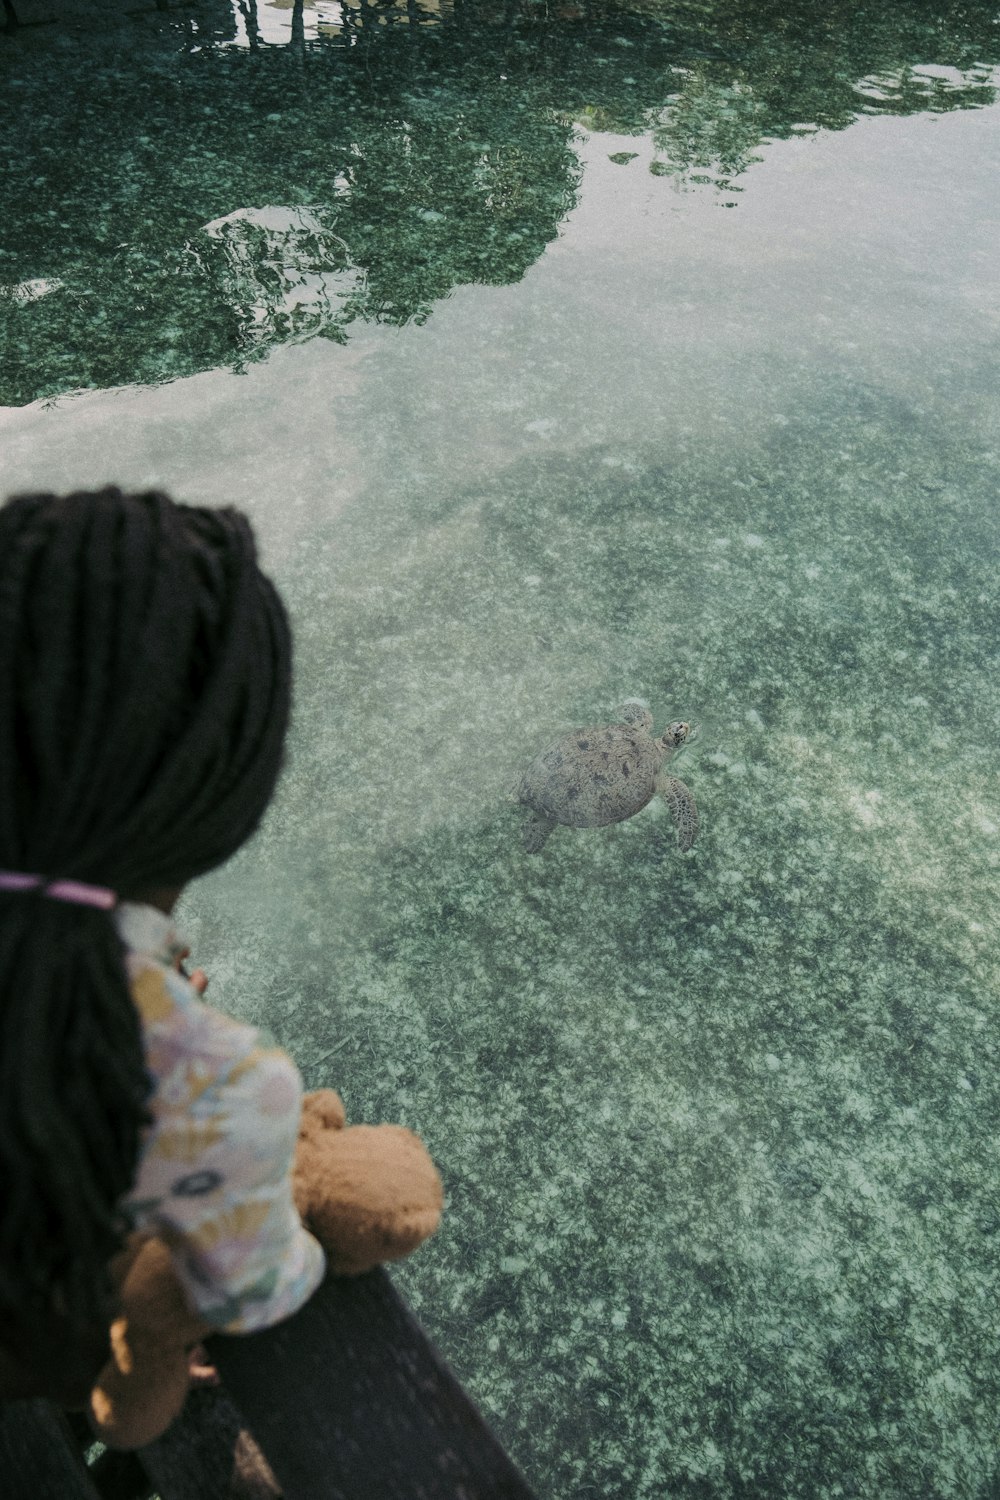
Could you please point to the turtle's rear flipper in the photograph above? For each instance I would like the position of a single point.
(682, 809)
(535, 832)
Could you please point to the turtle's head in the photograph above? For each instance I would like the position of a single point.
(677, 734)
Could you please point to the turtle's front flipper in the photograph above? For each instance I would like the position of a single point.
(535, 832)
(682, 809)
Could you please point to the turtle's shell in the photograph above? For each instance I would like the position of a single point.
(594, 776)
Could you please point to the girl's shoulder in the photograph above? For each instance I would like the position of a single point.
(177, 1025)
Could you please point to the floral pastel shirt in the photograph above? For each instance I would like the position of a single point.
(214, 1174)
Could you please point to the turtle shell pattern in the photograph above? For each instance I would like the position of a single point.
(594, 776)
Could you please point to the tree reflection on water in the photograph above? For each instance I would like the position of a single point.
(188, 194)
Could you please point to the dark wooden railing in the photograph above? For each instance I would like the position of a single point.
(347, 1400)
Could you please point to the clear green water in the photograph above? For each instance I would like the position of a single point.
(561, 356)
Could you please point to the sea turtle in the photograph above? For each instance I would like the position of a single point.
(605, 774)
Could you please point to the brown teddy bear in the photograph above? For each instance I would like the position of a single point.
(369, 1193)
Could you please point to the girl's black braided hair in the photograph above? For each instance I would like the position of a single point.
(145, 678)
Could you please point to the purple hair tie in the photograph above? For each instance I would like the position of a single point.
(60, 890)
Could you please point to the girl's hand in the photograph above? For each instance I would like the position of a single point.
(197, 977)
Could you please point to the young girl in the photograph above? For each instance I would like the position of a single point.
(145, 675)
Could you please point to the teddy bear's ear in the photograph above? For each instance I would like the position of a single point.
(323, 1109)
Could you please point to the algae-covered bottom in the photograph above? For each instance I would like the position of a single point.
(718, 1130)
(636, 352)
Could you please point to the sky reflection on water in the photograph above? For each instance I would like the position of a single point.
(266, 195)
